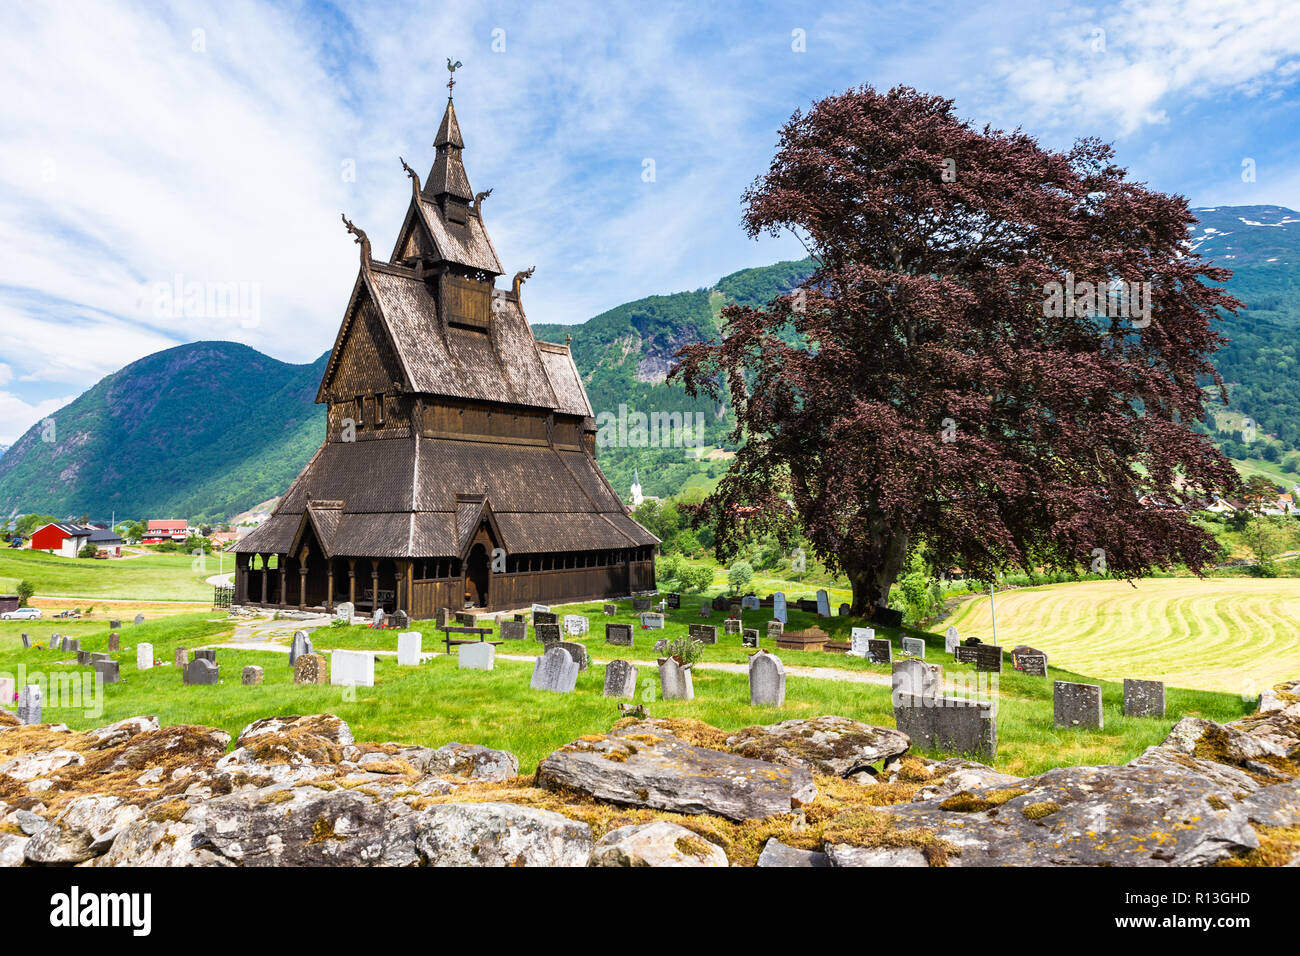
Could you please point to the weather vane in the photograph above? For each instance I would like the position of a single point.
(451, 78)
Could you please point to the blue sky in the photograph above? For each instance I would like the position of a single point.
(152, 147)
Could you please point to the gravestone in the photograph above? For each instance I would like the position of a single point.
(108, 671)
(466, 619)
(766, 680)
(749, 602)
(661, 646)
(310, 669)
(479, 656)
(114, 625)
(27, 642)
(823, 603)
(734, 610)
(1144, 698)
(720, 603)
(546, 633)
(514, 631)
(555, 671)
(1076, 705)
(641, 604)
(99, 656)
(749, 637)
(576, 651)
(675, 680)
(575, 625)
(1033, 665)
(301, 645)
(444, 617)
(72, 645)
(887, 616)
(916, 678)
(181, 656)
(618, 634)
(114, 642)
(545, 617)
(377, 617)
(352, 669)
(139, 619)
(913, 647)
(620, 679)
(83, 658)
(985, 657)
(775, 630)
(29, 704)
(880, 650)
(706, 610)
(844, 610)
(540, 609)
(652, 621)
(56, 642)
(201, 671)
(6, 692)
(731, 626)
(343, 612)
(251, 675)
(409, 644)
(948, 724)
(611, 610)
(779, 610)
(704, 633)
(206, 654)
(674, 601)
(858, 637)
(143, 656)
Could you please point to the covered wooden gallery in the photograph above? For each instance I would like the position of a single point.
(458, 466)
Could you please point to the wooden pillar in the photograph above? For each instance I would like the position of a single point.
(374, 584)
(266, 576)
(302, 578)
(410, 588)
(352, 582)
(280, 560)
(329, 591)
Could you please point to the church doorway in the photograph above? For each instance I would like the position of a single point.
(477, 576)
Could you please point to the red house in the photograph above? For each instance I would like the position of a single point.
(167, 528)
(68, 540)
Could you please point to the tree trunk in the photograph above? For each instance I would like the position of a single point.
(873, 581)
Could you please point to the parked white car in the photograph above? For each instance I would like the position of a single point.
(21, 614)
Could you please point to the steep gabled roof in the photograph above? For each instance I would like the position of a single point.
(570, 396)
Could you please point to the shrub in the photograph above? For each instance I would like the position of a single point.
(696, 577)
(686, 650)
(739, 575)
(25, 591)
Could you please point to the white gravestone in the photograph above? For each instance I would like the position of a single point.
(951, 639)
(352, 668)
(143, 656)
(913, 647)
(652, 621)
(480, 656)
(575, 624)
(858, 638)
(766, 680)
(408, 648)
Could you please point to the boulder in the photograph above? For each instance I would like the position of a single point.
(644, 765)
(841, 854)
(1089, 816)
(835, 746)
(470, 761)
(1224, 775)
(656, 844)
(315, 738)
(776, 853)
(1277, 805)
(959, 775)
(114, 735)
(40, 763)
(59, 846)
(98, 816)
(498, 834)
(12, 849)
(1225, 743)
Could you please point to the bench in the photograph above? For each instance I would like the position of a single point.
(482, 632)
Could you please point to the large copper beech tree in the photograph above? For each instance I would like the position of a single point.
(962, 371)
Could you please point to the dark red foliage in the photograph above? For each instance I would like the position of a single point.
(915, 390)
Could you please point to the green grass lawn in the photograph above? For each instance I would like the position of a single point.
(152, 577)
(436, 702)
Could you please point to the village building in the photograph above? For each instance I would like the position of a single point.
(165, 529)
(67, 540)
(458, 468)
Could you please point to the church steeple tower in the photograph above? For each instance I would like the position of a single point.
(447, 178)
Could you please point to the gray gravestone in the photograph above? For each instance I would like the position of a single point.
(114, 642)
(749, 602)
(29, 704)
(72, 645)
(181, 656)
(620, 679)
(675, 680)
(652, 622)
(706, 610)
(206, 654)
(823, 604)
(575, 625)
(344, 611)
(83, 658)
(611, 610)
(844, 610)
(1033, 665)
(108, 671)
(1144, 698)
(27, 642)
(915, 678)
(444, 617)
(477, 656)
(139, 619)
(985, 657)
(779, 609)
(731, 626)
(951, 639)
(301, 645)
(577, 651)
(554, 671)
(913, 647)
(201, 671)
(546, 633)
(640, 604)
(766, 680)
(114, 625)
(948, 724)
(749, 637)
(618, 634)
(704, 633)
(251, 675)
(880, 650)
(1076, 705)
(56, 642)
(514, 631)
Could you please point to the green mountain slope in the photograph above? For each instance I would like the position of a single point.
(198, 431)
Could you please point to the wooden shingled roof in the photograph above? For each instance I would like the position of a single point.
(416, 496)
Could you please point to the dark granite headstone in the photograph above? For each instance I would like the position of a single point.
(114, 625)
(443, 618)
(206, 654)
(749, 637)
(577, 651)
(27, 641)
(545, 617)
(731, 626)
(775, 629)
(465, 618)
(619, 634)
(546, 633)
(83, 658)
(1076, 705)
(948, 724)
(201, 671)
(114, 642)
(880, 650)
(514, 631)
(640, 604)
(1034, 665)
(704, 633)
(985, 657)
(611, 610)
(674, 601)
(109, 671)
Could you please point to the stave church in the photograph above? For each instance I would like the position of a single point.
(458, 468)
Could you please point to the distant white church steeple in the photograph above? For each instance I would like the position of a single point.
(637, 497)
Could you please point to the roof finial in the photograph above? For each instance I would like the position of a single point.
(451, 77)
(360, 239)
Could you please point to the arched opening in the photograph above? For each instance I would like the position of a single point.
(477, 575)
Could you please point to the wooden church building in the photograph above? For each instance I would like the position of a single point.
(458, 468)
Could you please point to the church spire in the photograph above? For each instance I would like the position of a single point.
(447, 177)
